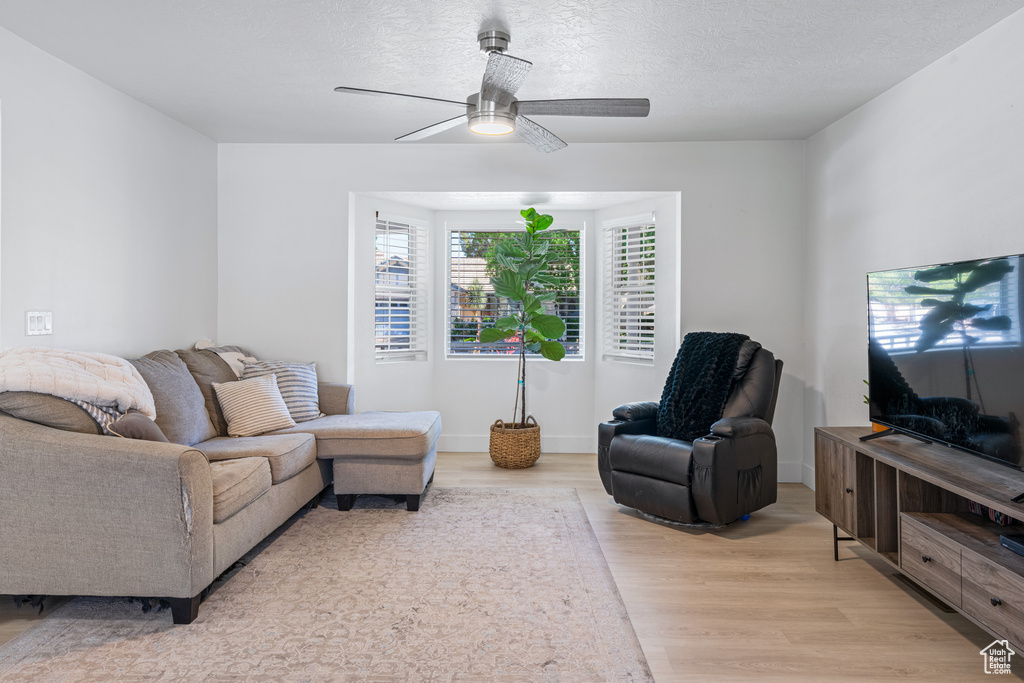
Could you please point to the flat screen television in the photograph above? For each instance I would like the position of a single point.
(945, 357)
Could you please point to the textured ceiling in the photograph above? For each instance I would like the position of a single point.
(263, 70)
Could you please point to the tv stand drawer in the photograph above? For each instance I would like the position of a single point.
(931, 558)
(994, 596)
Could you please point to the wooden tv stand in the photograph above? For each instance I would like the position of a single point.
(907, 501)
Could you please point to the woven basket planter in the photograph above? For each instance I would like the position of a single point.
(513, 446)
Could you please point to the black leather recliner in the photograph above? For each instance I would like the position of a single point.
(717, 478)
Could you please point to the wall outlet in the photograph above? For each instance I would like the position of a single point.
(38, 322)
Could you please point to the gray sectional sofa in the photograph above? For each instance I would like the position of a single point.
(82, 513)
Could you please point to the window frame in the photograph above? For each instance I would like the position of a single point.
(419, 308)
(513, 227)
(611, 349)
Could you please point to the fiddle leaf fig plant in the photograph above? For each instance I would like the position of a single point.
(521, 275)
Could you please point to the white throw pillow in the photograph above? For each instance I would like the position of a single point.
(253, 406)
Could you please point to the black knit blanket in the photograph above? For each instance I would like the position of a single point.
(698, 384)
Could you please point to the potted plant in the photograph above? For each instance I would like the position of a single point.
(521, 275)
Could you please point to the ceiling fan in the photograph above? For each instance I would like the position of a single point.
(496, 111)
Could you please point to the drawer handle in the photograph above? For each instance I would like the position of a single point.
(995, 602)
(926, 558)
(849, 490)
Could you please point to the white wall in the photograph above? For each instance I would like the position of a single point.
(285, 212)
(394, 385)
(930, 171)
(109, 214)
(617, 382)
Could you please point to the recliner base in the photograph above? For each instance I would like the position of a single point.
(699, 524)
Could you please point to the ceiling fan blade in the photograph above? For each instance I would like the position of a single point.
(537, 136)
(434, 129)
(502, 78)
(364, 91)
(587, 107)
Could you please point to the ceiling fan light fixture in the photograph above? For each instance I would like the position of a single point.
(492, 123)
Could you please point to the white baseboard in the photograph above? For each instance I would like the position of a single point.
(480, 443)
(790, 472)
(808, 473)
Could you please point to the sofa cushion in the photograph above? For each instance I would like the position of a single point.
(236, 483)
(402, 436)
(135, 425)
(253, 406)
(48, 410)
(208, 368)
(288, 454)
(297, 382)
(180, 409)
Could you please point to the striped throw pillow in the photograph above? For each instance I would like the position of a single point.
(297, 382)
(253, 406)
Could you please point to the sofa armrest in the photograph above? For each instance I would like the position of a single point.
(98, 515)
(633, 412)
(336, 398)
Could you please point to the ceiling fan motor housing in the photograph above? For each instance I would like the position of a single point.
(490, 118)
(493, 41)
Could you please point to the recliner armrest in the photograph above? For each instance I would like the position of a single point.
(735, 469)
(633, 412)
(606, 431)
(738, 427)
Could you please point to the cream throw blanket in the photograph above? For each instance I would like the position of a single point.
(91, 377)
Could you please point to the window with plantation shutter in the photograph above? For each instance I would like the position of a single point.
(473, 305)
(628, 330)
(400, 290)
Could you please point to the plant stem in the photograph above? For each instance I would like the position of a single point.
(522, 370)
(515, 407)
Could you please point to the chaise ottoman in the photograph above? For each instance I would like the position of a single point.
(380, 453)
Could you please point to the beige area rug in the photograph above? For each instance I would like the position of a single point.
(479, 585)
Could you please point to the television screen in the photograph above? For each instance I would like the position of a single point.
(945, 359)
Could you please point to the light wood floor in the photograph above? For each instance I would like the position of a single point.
(761, 600)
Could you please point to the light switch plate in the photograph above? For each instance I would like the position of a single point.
(38, 322)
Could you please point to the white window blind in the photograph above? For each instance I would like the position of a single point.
(629, 292)
(473, 305)
(400, 290)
